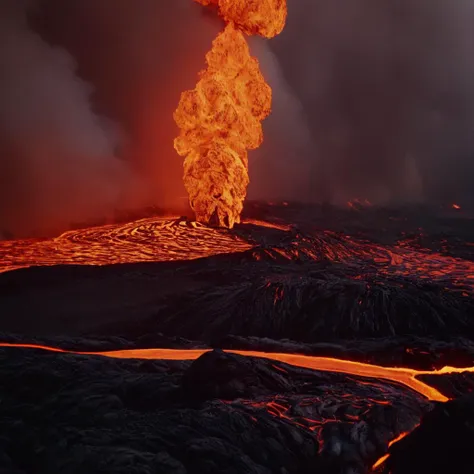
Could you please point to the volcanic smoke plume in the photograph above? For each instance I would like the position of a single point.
(387, 93)
(57, 163)
(221, 119)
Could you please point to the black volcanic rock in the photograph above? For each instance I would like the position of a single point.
(442, 444)
(226, 376)
(453, 385)
(310, 302)
(332, 279)
(221, 414)
(351, 285)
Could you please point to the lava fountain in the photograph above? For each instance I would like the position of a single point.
(220, 120)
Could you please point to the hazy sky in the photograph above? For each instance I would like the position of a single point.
(387, 90)
(371, 99)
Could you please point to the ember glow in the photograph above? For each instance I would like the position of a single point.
(221, 118)
(367, 259)
(269, 225)
(358, 204)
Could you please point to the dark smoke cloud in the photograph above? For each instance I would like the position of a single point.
(387, 90)
(372, 99)
(282, 168)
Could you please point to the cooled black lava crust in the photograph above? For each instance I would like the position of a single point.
(390, 287)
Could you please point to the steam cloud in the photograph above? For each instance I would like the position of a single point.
(387, 90)
(140, 56)
(371, 99)
(57, 156)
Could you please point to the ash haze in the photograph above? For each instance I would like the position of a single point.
(75, 73)
(140, 56)
(57, 160)
(371, 99)
(387, 90)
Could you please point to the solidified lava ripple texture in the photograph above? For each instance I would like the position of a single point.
(160, 239)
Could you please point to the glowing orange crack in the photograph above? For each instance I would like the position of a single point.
(153, 239)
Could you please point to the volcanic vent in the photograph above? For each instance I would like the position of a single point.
(221, 119)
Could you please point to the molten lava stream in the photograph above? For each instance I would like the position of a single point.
(153, 239)
(403, 376)
(394, 441)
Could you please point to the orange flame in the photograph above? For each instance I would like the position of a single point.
(456, 206)
(266, 18)
(221, 118)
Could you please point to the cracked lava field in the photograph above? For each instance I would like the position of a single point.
(312, 339)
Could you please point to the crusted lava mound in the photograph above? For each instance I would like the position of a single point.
(220, 414)
(388, 287)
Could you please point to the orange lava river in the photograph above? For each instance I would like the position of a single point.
(159, 239)
(403, 376)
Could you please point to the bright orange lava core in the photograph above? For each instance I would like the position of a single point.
(221, 118)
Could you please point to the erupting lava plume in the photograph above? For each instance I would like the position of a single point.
(221, 118)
